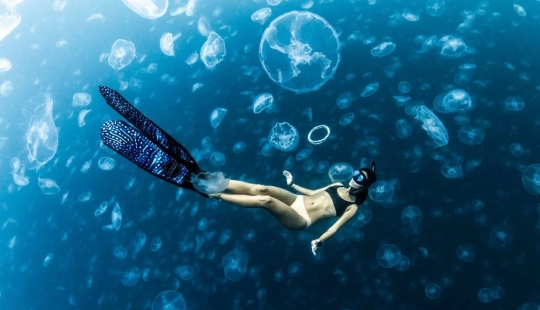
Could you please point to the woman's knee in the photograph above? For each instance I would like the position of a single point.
(259, 189)
(264, 201)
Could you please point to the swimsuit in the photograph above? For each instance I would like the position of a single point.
(340, 204)
(300, 208)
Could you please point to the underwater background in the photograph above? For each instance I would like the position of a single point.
(442, 94)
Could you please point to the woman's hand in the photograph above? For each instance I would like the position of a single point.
(315, 244)
(289, 177)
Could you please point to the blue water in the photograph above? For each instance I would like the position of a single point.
(473, 245)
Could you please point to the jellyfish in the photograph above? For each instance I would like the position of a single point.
(234, 265)
(284, 137)
(122, 54)
(149, 9)
(213, 50)
(166, 43)
(42, 135)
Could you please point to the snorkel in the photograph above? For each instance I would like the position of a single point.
(362, 179)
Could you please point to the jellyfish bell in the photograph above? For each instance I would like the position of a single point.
(210, 182)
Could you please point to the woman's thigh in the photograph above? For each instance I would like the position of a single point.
(244, 188)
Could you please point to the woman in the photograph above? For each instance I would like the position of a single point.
(301, 211)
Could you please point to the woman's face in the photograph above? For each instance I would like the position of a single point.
(355, 185)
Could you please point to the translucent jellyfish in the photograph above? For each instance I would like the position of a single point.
(155, 244)
(81, 100)
(249, 234)
(383, 49)
(239, 147)
(217, 159)
(500, 236)
(411, 216)
(5, 65)
(452, 47)
(10, 18)
(224, 237)
(81, 117)
(185, 273)
(116, 216)
(340, 172)
(293, 54)
(319, 140)
(520, 10)
(48, 186)
(6, 88)
(465, 253)
(531, 179)
(273, 2)
(404, 87)
(120, 252)
(497, 292)
(262, 101)
(169, 300)
(47, 260)
(149, 9)
(122, 54)
(433, 291)
(363, 217)
(388, 256)
(210, 183)
(42, 135)
(321, 167)
(462, 77)
(106, 163)
(485, 295)
(452, 170)
(344, 100)
(213, 50)
(260, 16)
(432, 125)
(217, 116)
(403, 263)
(516, 149)
(410, 16)
(234, 265)
(435, 7)
(381, 191)
(370, 90)
(462, 119)
(454, 100)
(131, 276)
(101, 208)
(346, 119)
(284, 137)
(529, 306)
(514, 103)
(166, 43)
(303, 154)
(404, 129)
(471, 135)
(295, 269)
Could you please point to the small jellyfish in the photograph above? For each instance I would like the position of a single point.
(432, 125)
(462, 119)
(48, 186)
(101, 208)
(363, 217)
(213, 50)
(485, 295)
(340, 172)
(452, 47)
(465, 253)
(388, 256)
(383, 49)
(471, 135)
(234, 265)
(122, 54)
(81, 100)
(500, 236)
(149, 9)
(239, 147)
(303, 154)
(185, 273)
(5, 65)
(435, 7)
(42, 135)
(346, 119)
(403, 263)
(381, 191)
(106, 163)
(249, 234)
(370, 90)
(321, 167)
(170, 300)
(433, 291)
(261, 15)
(514, 103)
(516, 149)
(131, 276)
(166, 43)
(404, 87)
(116, 216)
(217, 159)
(217, 116)
(155, 244)
(262, 101)
(295, 269)
(411, 216)
(120, 252)
(520, 10)
(284, 137)
(344, 100)
(452, 170)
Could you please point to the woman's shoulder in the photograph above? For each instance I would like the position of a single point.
(338, 184)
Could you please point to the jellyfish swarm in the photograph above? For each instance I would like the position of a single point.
(122, 54)
(284, 137)
(432, 125)
(300, 51)
(42, 135)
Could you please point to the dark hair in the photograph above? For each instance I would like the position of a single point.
(361, 194)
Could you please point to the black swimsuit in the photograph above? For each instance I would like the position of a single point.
(340, 204)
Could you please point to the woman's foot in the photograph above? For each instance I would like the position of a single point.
(216, 195)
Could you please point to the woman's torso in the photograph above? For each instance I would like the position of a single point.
(321, 206)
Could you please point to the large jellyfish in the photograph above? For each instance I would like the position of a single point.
(122, 54)
(9, 18)
(300, 51)
(150, 9)
(42, 135)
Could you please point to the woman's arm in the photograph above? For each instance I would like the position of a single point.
(310, 192)
(347, 215)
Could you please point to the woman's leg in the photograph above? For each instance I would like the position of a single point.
(244, 188)
(282, 212)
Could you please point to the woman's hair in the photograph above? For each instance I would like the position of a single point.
(361, 194)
